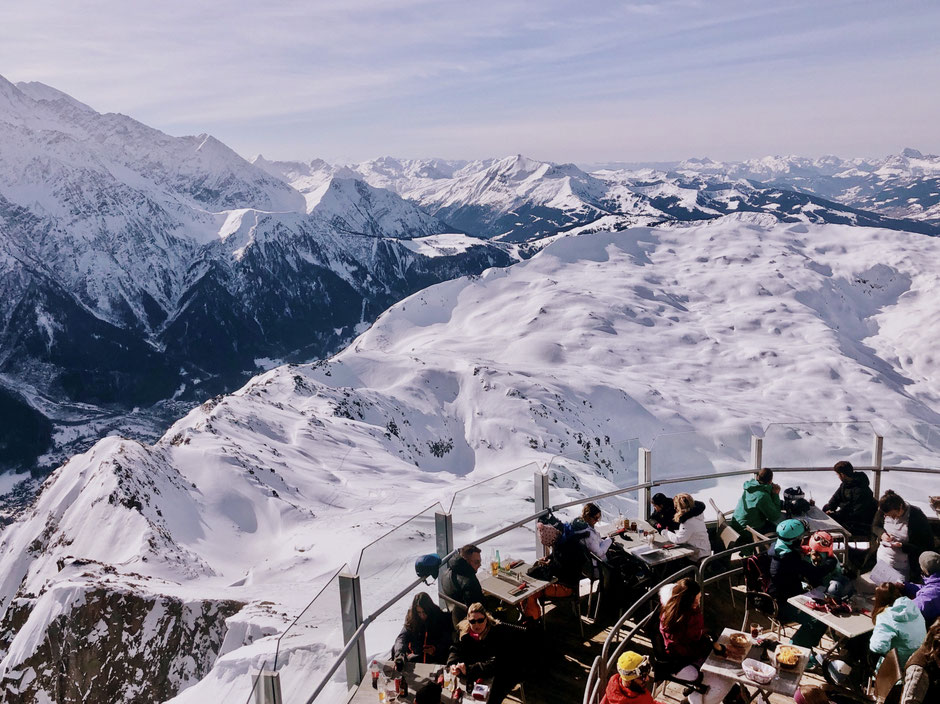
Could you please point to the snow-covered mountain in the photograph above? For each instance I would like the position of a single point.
(211, 540)
(136, 268)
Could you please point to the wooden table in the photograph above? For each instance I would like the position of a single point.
(503, 583)
(785, 683)
(846, 625)
(417, 675)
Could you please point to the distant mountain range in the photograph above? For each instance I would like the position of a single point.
(140, 273)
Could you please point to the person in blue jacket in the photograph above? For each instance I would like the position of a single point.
(788, 571)
(898, 623)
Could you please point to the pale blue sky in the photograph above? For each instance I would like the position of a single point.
(595, 80)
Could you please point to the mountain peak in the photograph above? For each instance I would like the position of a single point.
(911, 153)
(43, 93)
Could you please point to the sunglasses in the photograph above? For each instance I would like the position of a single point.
(476, 620)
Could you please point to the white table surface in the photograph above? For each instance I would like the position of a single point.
(500, 588)
(784, 683)
(848, 625)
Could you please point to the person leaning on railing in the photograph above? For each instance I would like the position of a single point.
(485, 648)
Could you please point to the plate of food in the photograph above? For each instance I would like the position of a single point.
(787, 656)
(737, 645)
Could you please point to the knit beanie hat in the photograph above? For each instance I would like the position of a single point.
(930, 562)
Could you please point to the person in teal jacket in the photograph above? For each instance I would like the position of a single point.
(899, 624)
(759, 506)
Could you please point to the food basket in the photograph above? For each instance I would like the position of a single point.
(757, 671)
(738, 644)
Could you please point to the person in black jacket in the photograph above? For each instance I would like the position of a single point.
(458, 579)
(663, 516)
(853, 504)
(427, 635)
(485, 648)
(788, 571)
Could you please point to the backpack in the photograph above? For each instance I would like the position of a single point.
(757, 572)
(794, 502)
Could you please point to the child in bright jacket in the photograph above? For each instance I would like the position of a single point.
(628, 685)
(820, 553)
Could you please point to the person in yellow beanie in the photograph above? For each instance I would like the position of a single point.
(628, 685)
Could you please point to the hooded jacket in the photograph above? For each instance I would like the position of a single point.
(758, 507)
(590, 538)
(901, 626)
(926, 596)
(854, 504)
(618, 693)
(788, 570)
(692, 531)
(497, 653)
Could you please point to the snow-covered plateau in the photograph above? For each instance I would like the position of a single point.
(176, 565)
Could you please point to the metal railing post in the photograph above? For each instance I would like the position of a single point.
(757, 453)
(350, 601)
(877, 459)
(644, 472)
(541, 503)
(444, 542)
(267, 687)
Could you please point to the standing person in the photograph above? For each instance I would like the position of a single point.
(628, 684)
(853, 504)
(898, 623)
(664, 513)
(760, 506)
(927, 595)
(486, 647)
(788, 569)
(691, 530)
(922, 674)
(458, 579)
(901, 533)
(427, 635)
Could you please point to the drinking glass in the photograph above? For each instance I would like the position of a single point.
(756, 630)
(391, 692)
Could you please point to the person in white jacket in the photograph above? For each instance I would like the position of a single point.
(692, 530)
(585, 530)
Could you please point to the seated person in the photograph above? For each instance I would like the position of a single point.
(628, 684)
(583, 527)
(922, 674)
(691, 522)
(458, 579)
(682, 623)
(664, 512)
(820, 553)
(898, 623)
(788, 570)
(927, 595)
(485, 648)
(853, 504)
(901, 533)
(759, 506)
(427, 635)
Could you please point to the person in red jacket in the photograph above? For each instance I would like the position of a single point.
(682, 622)
(628, 686)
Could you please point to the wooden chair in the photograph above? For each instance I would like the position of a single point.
(889, 672)
(728, 537)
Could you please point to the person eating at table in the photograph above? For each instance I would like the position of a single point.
(458, 579)
(663, 516)
(898, 623)
(820, 553)
(583, 527)
(853, 503)
(486, 648)
(628, 684)
(901, 533)
(788, 570)
(427, 635)
(691, 530)
(760, 506)
(927, 595)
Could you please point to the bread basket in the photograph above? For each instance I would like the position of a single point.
(757, 671)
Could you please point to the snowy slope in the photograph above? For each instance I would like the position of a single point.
(254, 498)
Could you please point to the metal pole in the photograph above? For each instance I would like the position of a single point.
(267, 687)
(877, 460)
(444, 533)
(350, 599)
(644, 471)
(757, 452)
(541, 503)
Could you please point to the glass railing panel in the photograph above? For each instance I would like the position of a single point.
(308, 648)
(496, 502)
(386, 566)
(596, 466)
(915, 446)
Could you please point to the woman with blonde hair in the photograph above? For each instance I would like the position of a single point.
(486, 647)
(691, 530)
